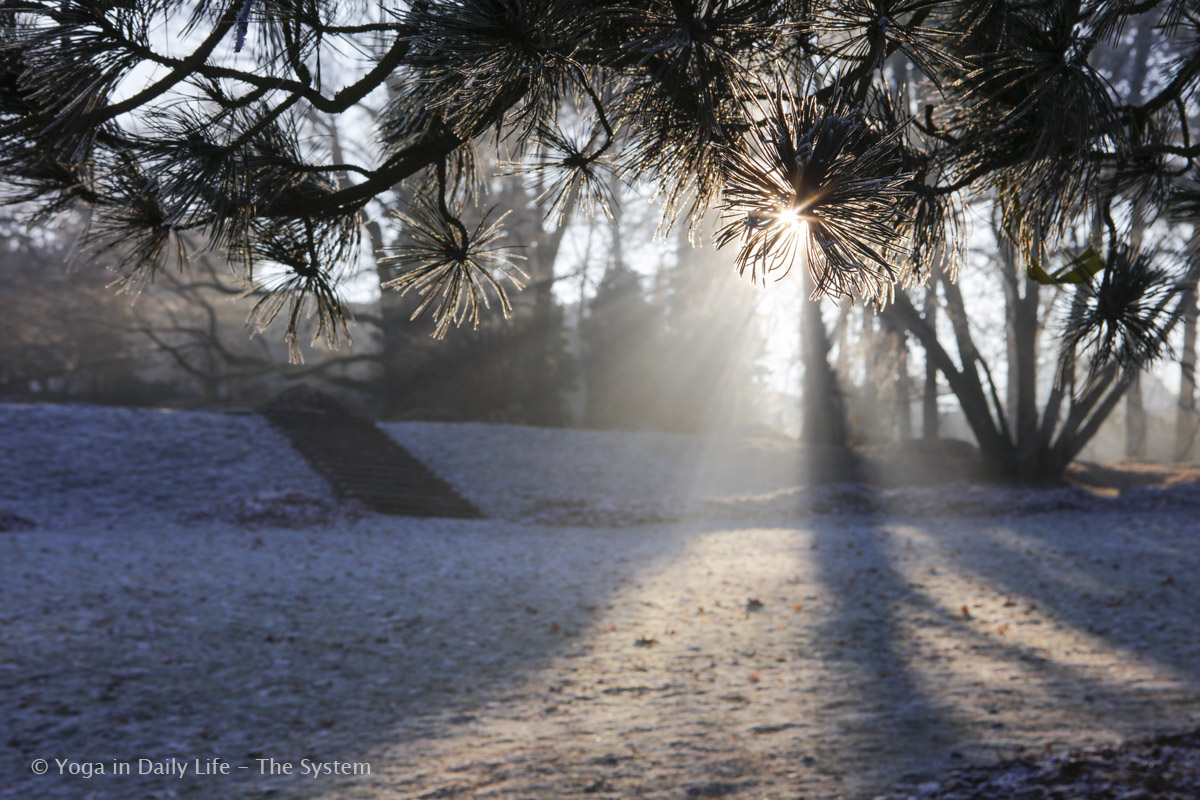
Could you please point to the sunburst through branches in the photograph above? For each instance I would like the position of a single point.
(817, 182)
(1123, 319)
(453, 269)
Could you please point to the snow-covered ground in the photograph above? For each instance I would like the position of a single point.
(642, 615)
(619, 478)
(598, 477)
(63, 465)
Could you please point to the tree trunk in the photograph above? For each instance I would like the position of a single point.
(904, 421)
(1135, 421)
(824, 412)
(994, 445)
(929, 404)
(866, 418)
(1021, 328)
(1185, 419)
(541, 393)
(1024, 335)
(1135, 407)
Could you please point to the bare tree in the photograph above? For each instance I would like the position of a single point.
(779, 115)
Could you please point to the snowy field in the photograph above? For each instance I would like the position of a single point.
(642, 615)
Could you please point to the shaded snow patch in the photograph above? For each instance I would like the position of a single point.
(277, 510)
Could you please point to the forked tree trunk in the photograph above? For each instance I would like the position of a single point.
(995, 447)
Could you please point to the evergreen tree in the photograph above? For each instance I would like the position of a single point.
(617, 345)
(776, 112)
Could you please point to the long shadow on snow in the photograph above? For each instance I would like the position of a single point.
(329, 666)
(886, 706)
(895, 725)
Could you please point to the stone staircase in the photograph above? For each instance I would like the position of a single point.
(363, 464)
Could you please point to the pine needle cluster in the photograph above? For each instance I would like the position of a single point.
(845, 136)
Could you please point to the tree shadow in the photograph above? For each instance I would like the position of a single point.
(271, 652)
(407, 636)
(894, 723)
(1107, 580)
(907, 707)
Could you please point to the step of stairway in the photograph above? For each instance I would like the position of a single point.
(364, 464)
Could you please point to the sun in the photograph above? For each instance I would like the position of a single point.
(796, 223)
(791, 215)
